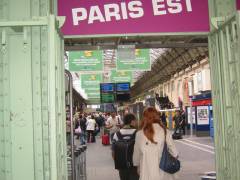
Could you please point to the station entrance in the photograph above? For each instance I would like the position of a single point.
(32, 99)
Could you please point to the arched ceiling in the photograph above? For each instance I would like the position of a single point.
(169, 63)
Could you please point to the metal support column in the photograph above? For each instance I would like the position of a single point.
(32, 103)
(224, 45)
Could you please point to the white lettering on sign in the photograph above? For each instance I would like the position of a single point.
(95, 15)
(189, 5)
(159, 7)
(124, 11)
(174, 7)
(112, 10)
(136, 9)
(79, 14)
(163, 7)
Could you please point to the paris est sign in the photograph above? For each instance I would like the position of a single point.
(115, 17)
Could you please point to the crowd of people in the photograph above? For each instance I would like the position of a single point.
(88, 125)
(134, 149)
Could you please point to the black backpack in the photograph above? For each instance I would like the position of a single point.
(123, 150)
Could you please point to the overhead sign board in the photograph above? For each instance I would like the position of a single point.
(140, 63)
(121, 76)
(86, 61)
(123, 87)
(108, 17)
(93, 94)
(107, 87)
(91, 82)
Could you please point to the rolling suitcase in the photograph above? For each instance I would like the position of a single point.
(177, 134)
(105, 139)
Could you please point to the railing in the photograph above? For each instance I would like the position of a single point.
(80, 164)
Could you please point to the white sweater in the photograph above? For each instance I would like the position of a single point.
(147, 155)
(91, 123)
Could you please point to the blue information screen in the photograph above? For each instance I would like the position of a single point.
(107, 87)
(123, 86)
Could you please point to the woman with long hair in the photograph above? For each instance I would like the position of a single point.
(149, 146)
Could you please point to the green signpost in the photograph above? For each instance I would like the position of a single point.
(86, 61)
(91, 81)
(91, 84)
(140, 63)
(93, 94)
(108, 98)
(121, 76)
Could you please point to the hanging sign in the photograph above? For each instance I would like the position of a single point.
(91, 82)
(86, 61)
(93, 94)
(238, 4)
(109, 17)
(140, 63)
(121, 76)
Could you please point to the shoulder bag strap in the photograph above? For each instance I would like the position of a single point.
(119, 135)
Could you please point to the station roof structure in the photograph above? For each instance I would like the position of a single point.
(172, 61)
(169, 54)
(147, 41)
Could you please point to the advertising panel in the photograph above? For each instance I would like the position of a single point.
(86, 61)
(140, 63)
(202, 115)
(111, 17)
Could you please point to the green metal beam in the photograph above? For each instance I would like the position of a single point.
(224, 61)
(32, 101)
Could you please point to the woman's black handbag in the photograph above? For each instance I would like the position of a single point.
(169, 163)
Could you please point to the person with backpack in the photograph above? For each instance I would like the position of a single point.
(149, 147)
(122, 148)
(100, 122)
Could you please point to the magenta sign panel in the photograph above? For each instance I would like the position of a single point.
(109, 17)
(238, 4)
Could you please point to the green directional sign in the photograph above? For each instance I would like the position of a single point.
(93, 94)
(86, 61)
(121, 76)
(140, 63)
(91, 82)
(107, 98)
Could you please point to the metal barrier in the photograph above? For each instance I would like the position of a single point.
(80, 164)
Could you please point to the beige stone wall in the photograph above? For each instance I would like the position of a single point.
(191, 81)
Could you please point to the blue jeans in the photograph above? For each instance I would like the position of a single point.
(83, 138)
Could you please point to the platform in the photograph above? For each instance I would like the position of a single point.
(196, 155)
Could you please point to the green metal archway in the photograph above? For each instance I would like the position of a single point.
(32, 118)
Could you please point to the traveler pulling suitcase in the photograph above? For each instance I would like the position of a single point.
(177, 134)
(105, 139)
